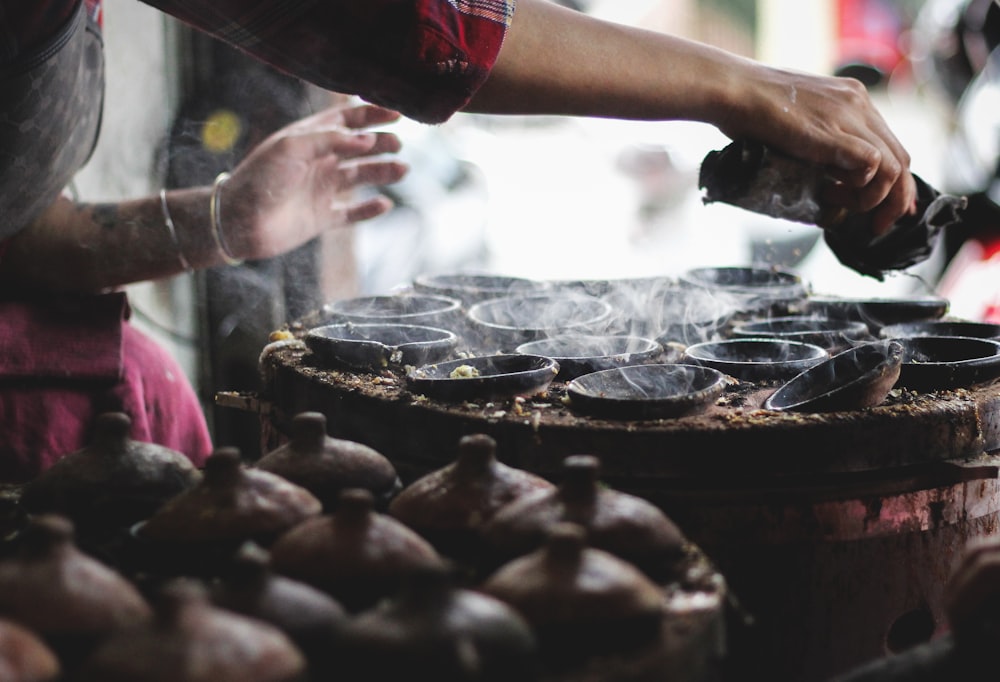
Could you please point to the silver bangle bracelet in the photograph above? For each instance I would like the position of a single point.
(216, 220)
(169, 222)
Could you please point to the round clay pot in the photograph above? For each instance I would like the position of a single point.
(325, 466)
(24, 657)
(192, 641)
(447, 633)
(625, 525)
(203, 527)
(356, 555)
(581, 602)
(114, 482)
(68, 598)
(310, 617)
(450, 506)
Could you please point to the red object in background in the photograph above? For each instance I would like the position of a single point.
(96, 11)
(869, 34)
(970, 280)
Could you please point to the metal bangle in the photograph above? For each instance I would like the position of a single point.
(169, 222)
(216, 219)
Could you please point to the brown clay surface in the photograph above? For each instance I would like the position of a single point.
(733, 438)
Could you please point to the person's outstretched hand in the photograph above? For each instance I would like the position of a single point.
(834, 123)
(298, 182)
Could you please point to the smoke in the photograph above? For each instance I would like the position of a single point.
(505, 323)
(833, 335)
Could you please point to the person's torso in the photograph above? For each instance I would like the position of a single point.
(51, 94)
(24, 25)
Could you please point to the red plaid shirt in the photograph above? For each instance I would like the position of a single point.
(424, 58)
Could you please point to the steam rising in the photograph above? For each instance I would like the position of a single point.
(833, 335)
(627, 341)
(510, 321)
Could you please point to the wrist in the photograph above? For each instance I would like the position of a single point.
(168, 222)
(191, 210)
(729, 94)
(215, 221)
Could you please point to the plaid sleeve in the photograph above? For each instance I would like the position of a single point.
(424, 58)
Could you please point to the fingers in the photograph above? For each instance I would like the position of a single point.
(902, 200)
(337, 178)
(352, 117)
(890, 194)
(353, 145)
(835, 123)
(368, 115)
(880, 181)
(349, 175)
(385, 143)
(367, 209)
(342, 215)
(311, 145)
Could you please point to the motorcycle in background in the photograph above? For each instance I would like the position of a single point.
(960, 54)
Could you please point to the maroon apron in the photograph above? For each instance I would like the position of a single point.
(65, 359)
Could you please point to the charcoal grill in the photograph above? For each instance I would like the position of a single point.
(835, 531)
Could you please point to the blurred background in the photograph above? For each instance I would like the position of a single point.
(546, 197)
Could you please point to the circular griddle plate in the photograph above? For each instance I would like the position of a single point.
(735, 437)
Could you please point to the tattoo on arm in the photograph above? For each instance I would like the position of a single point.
(104, 216)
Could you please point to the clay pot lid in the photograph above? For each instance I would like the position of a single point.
(589, 609)
(249, 586)
(55, 589)
(466, 493)
(357, 555)
(445, 631)
(325, 466)
(192, 641)
(625, 525)
(232, 503)
(115, 480)
(567, 581)
(24, 657)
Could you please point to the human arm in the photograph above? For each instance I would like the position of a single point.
(433, 58)
(558, 61)
(286, 191)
